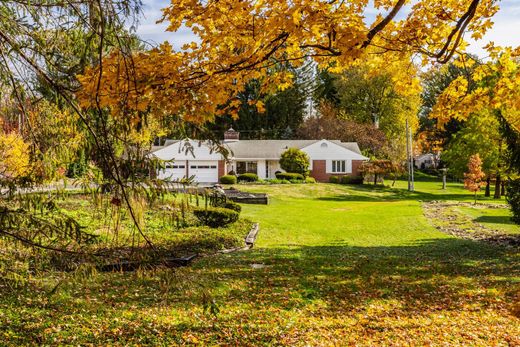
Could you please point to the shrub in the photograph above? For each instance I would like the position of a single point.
(231, 205)
(355, 180)
(344, 179)
(232, 173)
(513, 198)
(295, 181)
(310, 180)
(295, 160)
(228, 179)
(334, 179)
(226, 203)
(216, 217)
(248, 177)
(289, 176)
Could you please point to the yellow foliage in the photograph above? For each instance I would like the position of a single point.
(498, 90)
(14, 156)
(242, 40)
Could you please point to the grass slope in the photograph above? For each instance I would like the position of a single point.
(334, 265)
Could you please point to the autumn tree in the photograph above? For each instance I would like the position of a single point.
(378, 169)
(196, 81)
(497, 91)
(430, 137)
(14, 158)
(327, 123)
(473, 177)
(479, 134)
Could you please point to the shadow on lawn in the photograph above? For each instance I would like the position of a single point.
(393, 194)
(308, 283)
(494, 219)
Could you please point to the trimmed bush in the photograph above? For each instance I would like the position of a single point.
(344, 179)
(310, 180)
(289, 176)
(334, 179)
(231, 205)
(248, 177)
(216, 217)
(513, 198)
(295, 160)
(228, 179)
(226, 203)
(355, 180)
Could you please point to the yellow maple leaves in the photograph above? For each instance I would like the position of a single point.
(243, 40)
(498, 89)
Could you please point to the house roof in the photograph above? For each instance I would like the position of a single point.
(243, 149)
(273, 149)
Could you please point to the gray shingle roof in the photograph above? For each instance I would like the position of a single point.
(273, 149)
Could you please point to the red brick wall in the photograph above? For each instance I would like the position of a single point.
(319, 170)
(355, 167)
(221, 168)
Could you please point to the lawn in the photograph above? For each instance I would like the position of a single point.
(333, 265)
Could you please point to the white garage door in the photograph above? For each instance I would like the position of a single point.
(173, 171)
(204, 171)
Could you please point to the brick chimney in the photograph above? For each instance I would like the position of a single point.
(231, 135)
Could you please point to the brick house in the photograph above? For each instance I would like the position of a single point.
(202, 160)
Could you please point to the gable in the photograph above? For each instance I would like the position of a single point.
(328, 150)
(187, 150)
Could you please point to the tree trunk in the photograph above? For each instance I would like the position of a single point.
(498, 183)
(488, 186)
(503, 190)
(475, 197)
(375, 179)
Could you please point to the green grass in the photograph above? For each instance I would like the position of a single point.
(334, 265)
(497, 219)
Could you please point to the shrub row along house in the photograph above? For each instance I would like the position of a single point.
(186, 158)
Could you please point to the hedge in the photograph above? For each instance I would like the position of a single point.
(334, 179)
(216, 217)
(248, 177)
(228, 179)
(310, 180)
(356, 180)
(351, 180)
(289, 176)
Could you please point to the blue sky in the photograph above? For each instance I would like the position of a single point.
(505, 32)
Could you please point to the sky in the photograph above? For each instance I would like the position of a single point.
(505, 32)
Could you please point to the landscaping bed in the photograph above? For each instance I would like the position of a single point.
(246, 197)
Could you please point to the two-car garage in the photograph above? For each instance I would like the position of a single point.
(203, 171)
(181, 163)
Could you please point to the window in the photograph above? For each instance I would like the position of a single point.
(246, 167)
(175, 166)
(339, 166)
(203, 167)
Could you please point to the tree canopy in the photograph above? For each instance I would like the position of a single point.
(243, 40)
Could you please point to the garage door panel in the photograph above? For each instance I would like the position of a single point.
(173, 171)
(204, 171)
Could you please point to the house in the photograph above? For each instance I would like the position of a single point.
(201, 159)
(426, 161)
